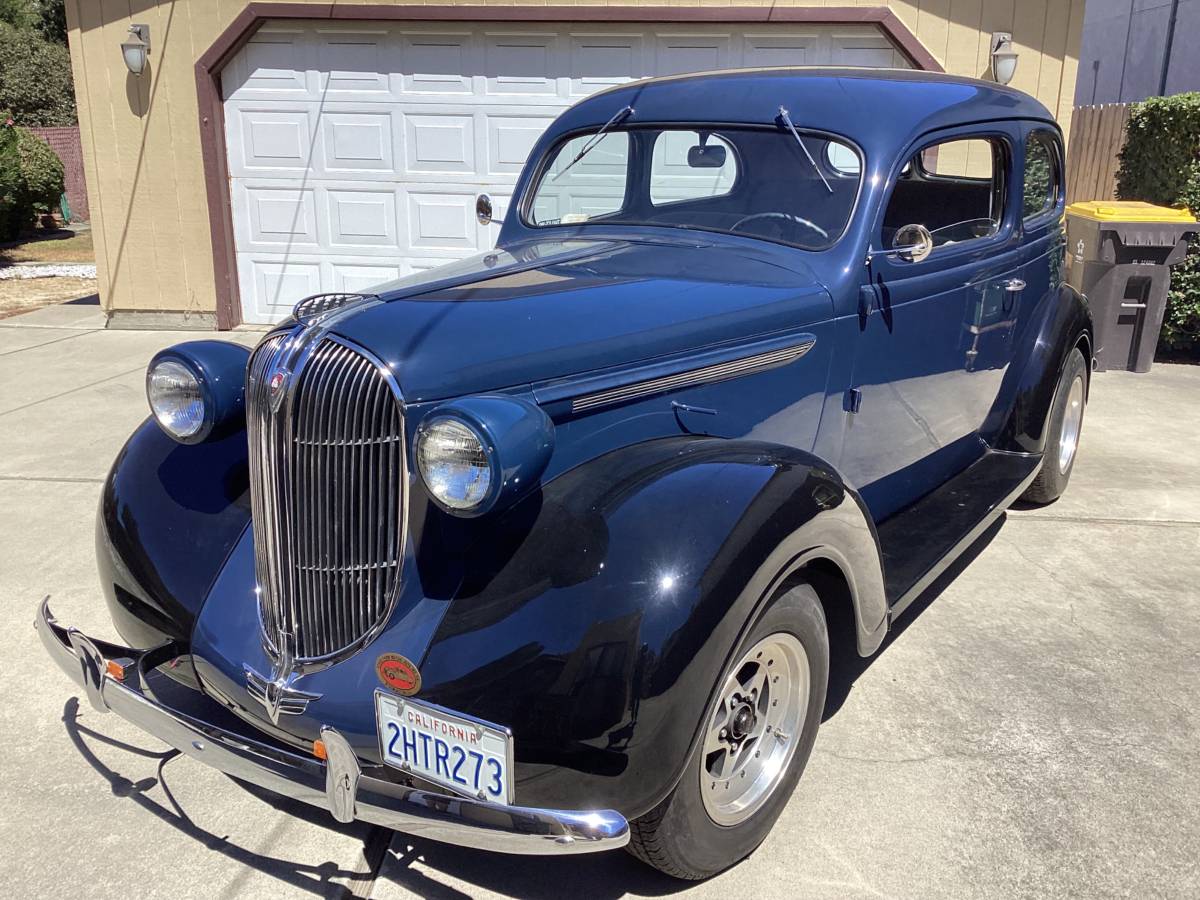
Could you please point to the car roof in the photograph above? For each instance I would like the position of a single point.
(866, 104)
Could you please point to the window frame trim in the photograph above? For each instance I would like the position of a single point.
(1058, 169)
(990, 130)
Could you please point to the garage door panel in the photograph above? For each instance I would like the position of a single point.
(365, 217)
(441, 222)
(357, 141)
(356, 151)
(276, 141)
(796, 49)
(355, 277)
(522, 64)
(681, 53)
(272, 285)
(275, 215)
(436, 63)
(350, 64)
(509, 140)
(271, 65)
(599, 61)
(439, 143)
(862, 48)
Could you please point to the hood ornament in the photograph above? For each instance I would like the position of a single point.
(278, 693)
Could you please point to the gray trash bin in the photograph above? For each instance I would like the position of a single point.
(1119, 255)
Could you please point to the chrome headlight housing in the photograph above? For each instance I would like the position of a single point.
(480, 453)
(196, 390)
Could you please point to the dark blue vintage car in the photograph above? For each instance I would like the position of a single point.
(548, 551)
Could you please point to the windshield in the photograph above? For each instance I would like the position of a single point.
(758, 182)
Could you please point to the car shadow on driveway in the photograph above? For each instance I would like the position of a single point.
(299, 876)
(846, 666)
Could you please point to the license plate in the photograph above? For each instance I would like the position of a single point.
(464, 754)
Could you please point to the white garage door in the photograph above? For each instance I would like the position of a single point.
(356, 152)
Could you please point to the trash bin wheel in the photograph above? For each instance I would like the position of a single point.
(1062, 442)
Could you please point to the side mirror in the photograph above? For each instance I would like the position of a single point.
(483, 209)
(912, 242)
(710, 156)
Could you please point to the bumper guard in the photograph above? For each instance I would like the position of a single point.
(338, 784)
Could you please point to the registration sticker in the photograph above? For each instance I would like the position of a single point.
(467, 755)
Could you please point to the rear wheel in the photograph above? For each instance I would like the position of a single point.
(1062, 442)
(755, 742)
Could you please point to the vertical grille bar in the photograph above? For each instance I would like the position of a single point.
(326, 485)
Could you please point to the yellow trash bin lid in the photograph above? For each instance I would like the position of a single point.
(1128, 211)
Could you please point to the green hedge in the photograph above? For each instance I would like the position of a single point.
(31, 178)
(1160, 163)
(35, 78)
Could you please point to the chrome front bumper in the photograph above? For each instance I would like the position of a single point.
(338, 784)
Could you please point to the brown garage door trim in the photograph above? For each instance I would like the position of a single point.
(242, 28)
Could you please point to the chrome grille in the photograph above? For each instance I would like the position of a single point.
(327, 495)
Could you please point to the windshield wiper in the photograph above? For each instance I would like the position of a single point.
(620, 115)
(787, 120)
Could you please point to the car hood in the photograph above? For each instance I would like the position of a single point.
(549, 309)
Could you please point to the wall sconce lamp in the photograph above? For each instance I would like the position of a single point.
(1004, 57)
(136, 48)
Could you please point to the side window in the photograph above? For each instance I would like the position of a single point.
(842, 159)
(688, 165)
(953, 188)
(1041, 187)
(590, 188)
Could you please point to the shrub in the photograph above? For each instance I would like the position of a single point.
(1160, 163)
(35, 78)
(31, 178)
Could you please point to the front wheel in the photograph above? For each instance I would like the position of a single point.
(755, 742)
(1062, 441)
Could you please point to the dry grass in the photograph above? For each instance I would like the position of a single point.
(54, 247)
(18, 295)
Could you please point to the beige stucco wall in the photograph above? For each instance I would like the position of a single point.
(141, 138)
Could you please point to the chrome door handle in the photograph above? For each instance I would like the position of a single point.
(1133, 306)
(1014, 285)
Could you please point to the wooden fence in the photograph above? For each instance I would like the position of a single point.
(1097, 135)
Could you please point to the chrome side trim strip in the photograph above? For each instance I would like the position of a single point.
(346, 788)
(734, 368)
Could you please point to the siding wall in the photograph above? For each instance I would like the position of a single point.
(141, 141)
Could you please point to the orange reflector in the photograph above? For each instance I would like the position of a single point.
(116, 670)
(319, 750)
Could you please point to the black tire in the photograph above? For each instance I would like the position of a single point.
(1053, 478)
(678, 836)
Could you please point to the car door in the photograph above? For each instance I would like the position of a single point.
(935, 331)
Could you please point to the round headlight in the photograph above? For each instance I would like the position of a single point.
(176, 398)
(455, 464)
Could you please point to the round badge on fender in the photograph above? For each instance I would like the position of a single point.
(398, 673)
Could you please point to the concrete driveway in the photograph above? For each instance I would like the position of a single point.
(1030, 730)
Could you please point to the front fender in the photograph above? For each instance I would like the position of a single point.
(1019, 423)
(169, 515)
(597, 615)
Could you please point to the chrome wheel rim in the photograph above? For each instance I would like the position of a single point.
(752, 733)
(1072, 422)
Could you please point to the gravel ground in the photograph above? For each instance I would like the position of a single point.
(74, 270)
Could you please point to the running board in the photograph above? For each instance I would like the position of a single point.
(921, 541)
